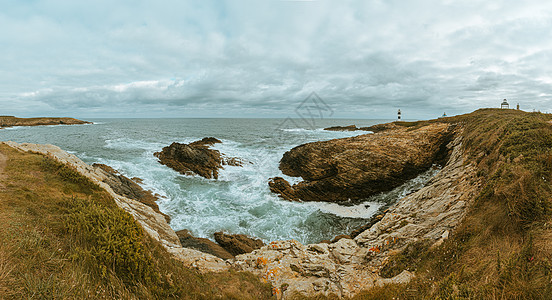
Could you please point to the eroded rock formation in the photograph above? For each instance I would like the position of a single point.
(237, 244)
(360, 166)
(346, 266)
(124, 186)
(202, 244)
(196, 158)
(342, 267)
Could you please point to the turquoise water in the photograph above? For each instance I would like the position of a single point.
(240, 200)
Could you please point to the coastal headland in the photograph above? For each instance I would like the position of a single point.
(479, 228)
(11, 121)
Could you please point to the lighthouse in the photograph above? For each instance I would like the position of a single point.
(399, 115)
(504, 104)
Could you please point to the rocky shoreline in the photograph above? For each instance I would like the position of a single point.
(342, 267)
(11, 121)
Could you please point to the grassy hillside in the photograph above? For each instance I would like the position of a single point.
(62, 237)
(503, 249)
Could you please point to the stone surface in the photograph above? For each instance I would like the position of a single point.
(153, 223)
(237, 243)
(348, 266)
(202, 244)
(196, 158)
(124, 186)
(343, 267)
(357, 167)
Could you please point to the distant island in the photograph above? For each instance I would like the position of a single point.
(11, 121)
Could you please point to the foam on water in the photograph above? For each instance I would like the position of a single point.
(240, 200)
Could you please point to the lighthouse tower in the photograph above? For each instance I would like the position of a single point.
(504, 104)
(399, 115)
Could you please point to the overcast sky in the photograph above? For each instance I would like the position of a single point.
(365, 59)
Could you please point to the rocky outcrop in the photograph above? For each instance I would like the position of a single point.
(346, 266)
(237, 244)
(342, 128)
(360, 166)
(153, 223)
(10, 121)
(373, 128)
(196, 158)
(202, 244)
(124, 186)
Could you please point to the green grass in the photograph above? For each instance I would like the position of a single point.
(503, 248)
(63, 237)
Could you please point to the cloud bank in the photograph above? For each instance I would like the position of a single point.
(365, 59)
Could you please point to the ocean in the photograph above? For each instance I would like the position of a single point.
(240, 200)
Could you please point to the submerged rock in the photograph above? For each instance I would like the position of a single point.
(202, 244)
(237, 244)
(196, 158)
(357, 167)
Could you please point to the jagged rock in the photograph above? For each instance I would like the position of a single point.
(357, 167)
(342, 128)
(347, 266)
(202, 244)
(237, 244)
(373, 128)
(196, 158)
(341, 236)
(124, 186)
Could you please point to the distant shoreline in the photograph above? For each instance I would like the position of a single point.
(11, 121)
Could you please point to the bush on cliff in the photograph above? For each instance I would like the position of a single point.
(63, 237)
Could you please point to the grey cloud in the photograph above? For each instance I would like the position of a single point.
(251, 58)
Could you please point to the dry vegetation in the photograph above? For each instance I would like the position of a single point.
(62, 237)
(503, 249)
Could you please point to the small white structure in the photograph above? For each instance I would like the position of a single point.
(399, 115)
(504, 104)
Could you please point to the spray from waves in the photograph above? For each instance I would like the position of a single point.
(240, 201)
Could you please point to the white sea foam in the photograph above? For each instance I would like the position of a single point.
(240, 200)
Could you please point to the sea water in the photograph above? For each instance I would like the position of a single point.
(240, 200)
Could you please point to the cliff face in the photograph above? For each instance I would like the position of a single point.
(9, 121)
(153, 222)
(348, 266)
(360, 166)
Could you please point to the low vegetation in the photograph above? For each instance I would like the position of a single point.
(63, 237)
(503, 248)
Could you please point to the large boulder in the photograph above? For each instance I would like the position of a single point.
(357, 167)
(196, 158)
(202, 244)
(237, 244)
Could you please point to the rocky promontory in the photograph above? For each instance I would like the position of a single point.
(196, 158)
(11, 121)
(357, 167)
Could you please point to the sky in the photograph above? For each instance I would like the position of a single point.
(231, 59)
